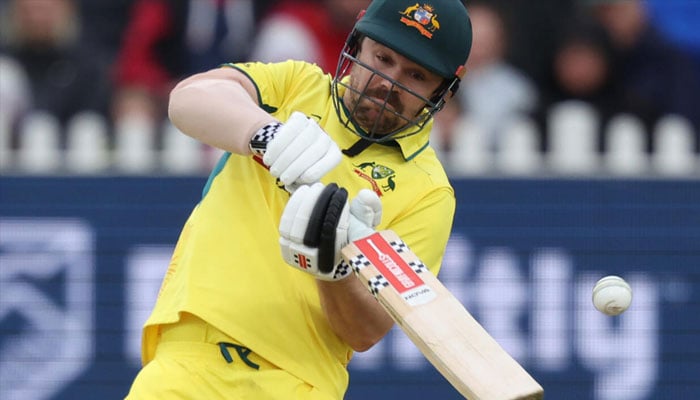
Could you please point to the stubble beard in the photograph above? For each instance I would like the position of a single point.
(367, 113)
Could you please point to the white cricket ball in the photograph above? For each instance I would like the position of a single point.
(612, 295)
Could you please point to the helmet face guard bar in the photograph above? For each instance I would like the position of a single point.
(412, 125)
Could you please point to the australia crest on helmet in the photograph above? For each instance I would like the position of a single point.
(421, 17)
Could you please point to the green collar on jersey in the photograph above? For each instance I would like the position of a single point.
(410, 146)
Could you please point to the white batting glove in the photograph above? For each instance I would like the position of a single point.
(317, 223)
(313, 229)
(365, 215)
(298, 151)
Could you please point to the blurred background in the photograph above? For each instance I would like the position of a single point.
(573, 146)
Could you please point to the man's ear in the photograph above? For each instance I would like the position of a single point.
(449, 95)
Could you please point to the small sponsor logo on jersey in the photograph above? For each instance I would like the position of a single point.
(379, 176)
(423, 18)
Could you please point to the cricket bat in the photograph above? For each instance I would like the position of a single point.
(439, 325)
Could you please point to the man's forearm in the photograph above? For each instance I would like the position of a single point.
(217, 110)
(354, 314)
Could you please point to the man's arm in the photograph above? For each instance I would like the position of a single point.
(219, 108)
(352, 311)
(354, 314)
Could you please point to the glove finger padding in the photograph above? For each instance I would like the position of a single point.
(331, 156)
(312, 236)
(296, 123)
(365, 215)
(295, 218)
(294, 158)
(313, 229)
(301, 151)
(306, 155)
(333, 232)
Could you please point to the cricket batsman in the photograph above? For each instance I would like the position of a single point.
(238, 316)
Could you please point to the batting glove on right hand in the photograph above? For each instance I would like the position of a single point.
(299, 151)
(318, 222)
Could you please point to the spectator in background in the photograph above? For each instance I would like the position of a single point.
(493, 91)
(652, 69)
(15, 93)
(103, 23)
(165, 40)
(532, 26)
(583, 68)
(313, 31)
(65, 75)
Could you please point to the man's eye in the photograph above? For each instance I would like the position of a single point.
(418, 76)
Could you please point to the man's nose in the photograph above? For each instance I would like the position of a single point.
(386, 82)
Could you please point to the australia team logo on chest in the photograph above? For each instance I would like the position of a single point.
(379, 176)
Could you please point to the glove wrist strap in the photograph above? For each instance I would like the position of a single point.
(258, 143)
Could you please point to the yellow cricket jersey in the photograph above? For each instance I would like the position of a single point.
(227, 267)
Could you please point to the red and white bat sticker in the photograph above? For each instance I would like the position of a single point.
(394, 268)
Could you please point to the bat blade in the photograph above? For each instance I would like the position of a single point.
(437, 323)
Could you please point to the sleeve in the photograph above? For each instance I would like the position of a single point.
(277, 84)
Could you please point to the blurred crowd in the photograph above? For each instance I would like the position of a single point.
(120, 58)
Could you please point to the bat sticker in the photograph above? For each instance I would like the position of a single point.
(402, 276)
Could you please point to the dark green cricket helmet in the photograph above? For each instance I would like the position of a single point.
(436, 35)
